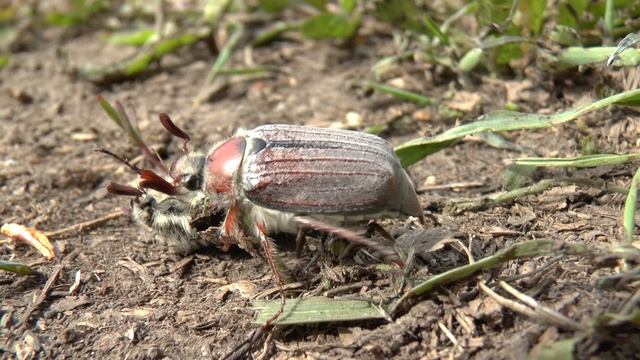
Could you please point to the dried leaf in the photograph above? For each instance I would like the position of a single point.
(31, 237)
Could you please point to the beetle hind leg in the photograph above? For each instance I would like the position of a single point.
(387, 252)
(374, 227)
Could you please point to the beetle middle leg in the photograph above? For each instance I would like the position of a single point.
(372, 227)
(301, 239)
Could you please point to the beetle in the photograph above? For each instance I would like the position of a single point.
(273, 179)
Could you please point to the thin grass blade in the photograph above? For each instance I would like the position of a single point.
(586, 161)
(402, 94)
(417, 149)
(630, 206)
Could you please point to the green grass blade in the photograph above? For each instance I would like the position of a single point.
(113, 114)
(17, 268)
(609, 15)
(402, 94)
(558, 350)
(435, 31)
(273, 32)
(316, 310)
(4, 61)
(417, 149)
(630, 207)
(259, 70)
(522, 250)
(585, 161)
(225, 53)
(132, 37)
(576, 56)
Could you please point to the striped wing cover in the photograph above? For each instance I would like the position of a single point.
(322, 171)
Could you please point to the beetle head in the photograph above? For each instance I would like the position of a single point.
(186, 173)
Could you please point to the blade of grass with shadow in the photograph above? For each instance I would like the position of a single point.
(496, 121)
(132, 68)
(526, 249)
(316, 309)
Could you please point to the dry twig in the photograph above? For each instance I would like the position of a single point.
(58, 234)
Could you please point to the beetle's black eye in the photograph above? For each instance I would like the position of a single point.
(191, 182)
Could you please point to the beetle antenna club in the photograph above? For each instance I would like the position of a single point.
(149, 179)
(174, 130)
(124, 190)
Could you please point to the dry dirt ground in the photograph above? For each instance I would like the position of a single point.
(138, 300)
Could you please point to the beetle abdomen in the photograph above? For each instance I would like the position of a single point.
(325, 171)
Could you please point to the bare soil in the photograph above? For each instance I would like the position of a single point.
(137, 300)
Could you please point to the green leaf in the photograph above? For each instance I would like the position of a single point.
(214, 10)
(273, 32)
(531, 15)
(630, 206)
(609, 15)
(348, 5)
(611, 320)
(434, 30)
(17, 268)
(470, 60)
(402, 94)
(501, 120)
(559, 350)
(330, 26)
(132, 67)
(576, 56)
(524, 249)
(318, 4)
(505, 53)
(80, 11)
(132, 37)
(316, 310)
(585, 161)
(516, 176)
(274, 6)
(225, 53)
(4, 61)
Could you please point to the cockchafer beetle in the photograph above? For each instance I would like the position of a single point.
(274, 178)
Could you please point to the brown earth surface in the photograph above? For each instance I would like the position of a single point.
(138, 300)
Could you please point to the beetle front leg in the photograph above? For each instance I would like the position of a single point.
(230, 229)
(265, 241)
